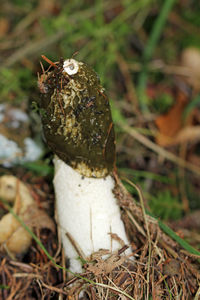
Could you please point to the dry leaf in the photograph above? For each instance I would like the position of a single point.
(171, 123)
(172, 267)
(4, 27)
(105, 266)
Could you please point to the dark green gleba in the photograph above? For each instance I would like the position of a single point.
(77, 124)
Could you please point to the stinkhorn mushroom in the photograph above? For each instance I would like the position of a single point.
(78, 128)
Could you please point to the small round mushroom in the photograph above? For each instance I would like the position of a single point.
(13, 237)
(78, 128)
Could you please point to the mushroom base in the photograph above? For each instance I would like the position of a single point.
(88, 212)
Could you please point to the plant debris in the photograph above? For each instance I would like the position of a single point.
(163, 270)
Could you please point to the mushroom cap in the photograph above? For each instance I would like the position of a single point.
(76, 118)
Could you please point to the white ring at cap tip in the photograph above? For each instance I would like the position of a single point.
(71, 66)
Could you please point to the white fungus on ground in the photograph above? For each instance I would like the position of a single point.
(16, 145)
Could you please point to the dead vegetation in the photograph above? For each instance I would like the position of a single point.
(161, 269)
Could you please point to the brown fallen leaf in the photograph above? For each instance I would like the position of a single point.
(172, 267)
(170, 124)
(105, 266)
(4, 27)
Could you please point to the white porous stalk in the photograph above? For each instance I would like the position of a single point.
(86, 209)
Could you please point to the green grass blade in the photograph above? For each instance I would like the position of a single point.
(150, 48)
(179, 240)
(4, 287)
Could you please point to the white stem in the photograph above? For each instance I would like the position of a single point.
(86, 209)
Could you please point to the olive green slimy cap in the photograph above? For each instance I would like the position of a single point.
(76, 118)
